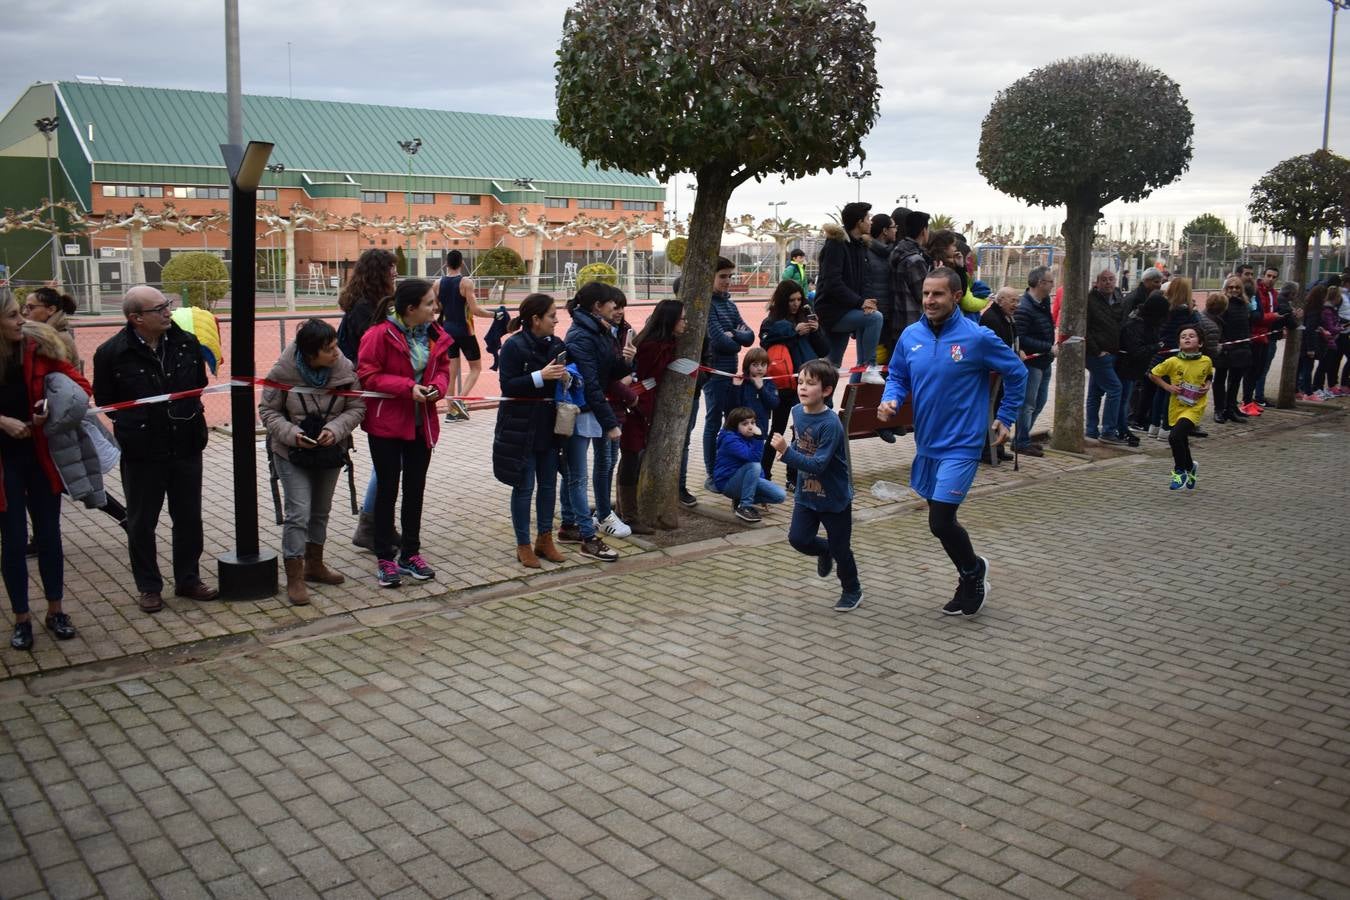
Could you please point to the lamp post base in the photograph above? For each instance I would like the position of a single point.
(248, 577)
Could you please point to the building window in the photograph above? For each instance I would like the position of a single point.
(424, 199)
(132, 190)
(595, 204)
(464, 199)
(556, 202)
(374, 197)
(267, 193)
(640, 205)
(205, 193)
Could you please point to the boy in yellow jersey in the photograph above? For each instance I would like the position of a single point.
(1189, 374)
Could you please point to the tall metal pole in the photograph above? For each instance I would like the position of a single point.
(407, 238)
(47, 125)
(1326, 125)
(234, 98)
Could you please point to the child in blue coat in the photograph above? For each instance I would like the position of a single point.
(737, 472)
(753, 389)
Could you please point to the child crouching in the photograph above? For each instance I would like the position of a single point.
(1189, 373)
(738, 472)
(824, 485)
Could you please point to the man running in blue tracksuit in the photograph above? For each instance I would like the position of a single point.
(943, 363)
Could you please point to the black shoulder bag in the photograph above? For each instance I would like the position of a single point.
(334, 456)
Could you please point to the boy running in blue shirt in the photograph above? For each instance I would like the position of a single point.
(943, 361)
(824, 487)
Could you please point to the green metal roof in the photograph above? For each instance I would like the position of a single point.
(161, 126)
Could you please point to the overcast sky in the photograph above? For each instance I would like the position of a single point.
(1253, 71)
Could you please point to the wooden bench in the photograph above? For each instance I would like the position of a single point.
(859, 412)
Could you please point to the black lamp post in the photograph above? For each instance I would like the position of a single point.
(47, 125)
(249, 572)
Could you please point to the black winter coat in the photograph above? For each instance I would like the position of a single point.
(1138, 344)
(1035, 330)
(590, 344)
(525, 426)
(125, 368)
(354, 325)
(1001, 325)
(910, 265)
(1135, 299)
(879, 273)
(1103, 324)
(1172, 325)
(1237, 325)
(844, 279)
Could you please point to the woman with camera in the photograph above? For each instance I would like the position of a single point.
(791, 323)
(310, 434)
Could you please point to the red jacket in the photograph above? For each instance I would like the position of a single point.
(35, 370)
(1267, 317)
(384, 365)
(651, 361)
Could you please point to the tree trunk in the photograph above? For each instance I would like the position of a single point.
(1078, 229)
(658, 485)
(537, 262)
(782, 243)
(630, 246)
(137, 237)
(290, 267)
(1293, 345)
(421, 254)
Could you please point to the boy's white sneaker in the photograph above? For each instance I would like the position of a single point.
(614, 526)
(872, 375)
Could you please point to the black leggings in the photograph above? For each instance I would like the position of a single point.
(955, 540)
(1180, 439)
(778, 420)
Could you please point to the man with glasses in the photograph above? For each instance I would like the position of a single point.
(1036, 334)
(162, 443)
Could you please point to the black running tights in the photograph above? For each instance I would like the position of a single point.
(942, 522)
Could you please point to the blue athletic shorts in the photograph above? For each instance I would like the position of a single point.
(942, 480)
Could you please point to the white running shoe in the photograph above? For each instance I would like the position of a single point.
(873, 376)
(614, 526)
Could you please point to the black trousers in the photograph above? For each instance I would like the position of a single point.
(393, 458)
(148, 483)
(1220, 389)
(1180, 441)
(1236, 374)
(778, 422)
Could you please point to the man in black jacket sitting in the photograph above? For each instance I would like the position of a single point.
(162, 443)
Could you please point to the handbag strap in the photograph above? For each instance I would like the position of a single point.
(332, 399)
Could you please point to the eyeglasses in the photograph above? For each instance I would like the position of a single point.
(30, 306)
(160, 310)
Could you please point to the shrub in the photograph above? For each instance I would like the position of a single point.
(500, 262)
(597, 272)
(201, 279)
(675, 250)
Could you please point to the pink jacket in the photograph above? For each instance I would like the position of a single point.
(383, 365)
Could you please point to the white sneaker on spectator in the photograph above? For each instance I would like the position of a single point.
(614, 526)
(873, 375)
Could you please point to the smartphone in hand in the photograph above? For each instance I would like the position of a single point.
(307, 441)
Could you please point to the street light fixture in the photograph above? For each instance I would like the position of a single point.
(409, 147)
(1336, 6)
(910, 198)
(47, 125)
(775, 206)
(858, 177)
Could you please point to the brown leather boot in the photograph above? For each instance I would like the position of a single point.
(315, 570)
(628, 510)
(296, 592)
(544, 548)
(526, 557)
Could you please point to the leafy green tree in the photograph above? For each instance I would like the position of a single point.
(1302, 196)
(400, 261)
(1208, 225)
(1082, 133)
(597, 271)
(676, 249)
(500, 262)
(729, 93)
(942, 222)
(201, 279)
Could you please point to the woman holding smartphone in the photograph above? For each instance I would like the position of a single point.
(29, 481)
(793, 324)
(405, 355)
(298, 423)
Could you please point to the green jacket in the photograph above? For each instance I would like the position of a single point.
(796, 272)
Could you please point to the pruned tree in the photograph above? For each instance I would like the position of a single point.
(300, 219)
(693, 86)
(140, 220)
(1082, 133)
(539, 229)
(629, 230)
(1302, 196)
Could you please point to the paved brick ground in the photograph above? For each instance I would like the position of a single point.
(1154, 705)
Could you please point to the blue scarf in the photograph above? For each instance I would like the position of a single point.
(419, 344)
(312, 377)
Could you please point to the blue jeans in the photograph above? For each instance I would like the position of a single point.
(1038, 392)
(576, 486)
(602, 475)
(1102, 381)
(1262, 370)
(866, 326)
(1123, 411)
(27, 489)
(804, 536)
(543, 466)
(368, 504)
(748, 487)
(689, 434)
(715, 394)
